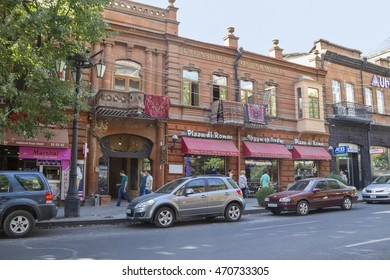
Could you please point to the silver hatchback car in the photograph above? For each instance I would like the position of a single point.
(197, 196)
(378, 190)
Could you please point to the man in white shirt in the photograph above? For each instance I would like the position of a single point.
(149, 183)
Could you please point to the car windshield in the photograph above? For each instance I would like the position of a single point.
(382, 180)
(300, 186)
(169, 187)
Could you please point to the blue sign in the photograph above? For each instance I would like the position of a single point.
(340, 151)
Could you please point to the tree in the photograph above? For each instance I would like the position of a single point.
(34, 34)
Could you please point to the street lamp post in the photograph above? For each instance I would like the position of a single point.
(72, 200)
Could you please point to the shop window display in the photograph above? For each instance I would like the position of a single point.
(379, 161)
(254, 169)
(305, 169)
(200, 165)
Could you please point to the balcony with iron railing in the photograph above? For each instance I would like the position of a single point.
(351, 111)
(238, 114)
(133, 104)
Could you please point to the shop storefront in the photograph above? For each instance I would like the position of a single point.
(49, 156)
(263, 157)
(207, 156)
(306, 160)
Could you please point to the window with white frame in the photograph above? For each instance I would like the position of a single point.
(349, 92)
(380, 102)
(246, 92)
(219, 87)
(336, 91)
(272, 100)
(190, 87)
(127, 75)
(368, 98)
(314, 103)
(350, 97)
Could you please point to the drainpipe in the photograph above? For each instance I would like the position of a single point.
(362, 66)
(236, 80)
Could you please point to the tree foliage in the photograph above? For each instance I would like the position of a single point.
(34, 34)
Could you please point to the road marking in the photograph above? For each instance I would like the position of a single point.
(367, 242)
(285, 225)
(382, 212)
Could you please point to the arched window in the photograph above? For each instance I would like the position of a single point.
(127, 75)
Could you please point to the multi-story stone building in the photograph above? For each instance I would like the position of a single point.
(179, 107)
(357, 107)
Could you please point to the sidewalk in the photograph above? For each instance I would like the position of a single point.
(111, 214)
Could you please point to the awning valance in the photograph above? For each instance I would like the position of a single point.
(199, 146)
(311, 153)
(265, 150)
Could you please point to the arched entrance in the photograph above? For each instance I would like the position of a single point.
(126, 152)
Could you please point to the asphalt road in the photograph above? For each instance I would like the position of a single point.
(362, 233)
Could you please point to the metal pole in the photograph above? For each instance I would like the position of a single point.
(72, 200)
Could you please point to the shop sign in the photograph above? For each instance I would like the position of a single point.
(378, 81)
(340, 151)
(308, 143)
(377, 151)
(264, 139)
(210, 135)
(44, 153)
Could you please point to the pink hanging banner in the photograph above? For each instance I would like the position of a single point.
(44, 153)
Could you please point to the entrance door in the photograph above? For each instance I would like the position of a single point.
(126, 152)
(131, 166)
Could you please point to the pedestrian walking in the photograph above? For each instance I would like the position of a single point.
(243, 183)
(265, 180)
(123, 188)
(142, 185)
(149, 183)
(344, 176)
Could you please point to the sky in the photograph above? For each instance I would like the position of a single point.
(362, 25)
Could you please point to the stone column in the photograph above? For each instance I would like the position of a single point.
(159, 74)
(149, 81)
(110, 63)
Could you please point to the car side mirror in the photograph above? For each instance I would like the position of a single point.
(189, 191)
(316, 190)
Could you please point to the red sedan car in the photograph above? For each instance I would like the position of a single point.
(312, 193)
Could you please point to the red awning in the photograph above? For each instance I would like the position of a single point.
(309, 152)
(265, 150)
(198, 146)
(60, 139)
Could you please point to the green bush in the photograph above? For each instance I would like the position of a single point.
(262, 193)
(337, 177)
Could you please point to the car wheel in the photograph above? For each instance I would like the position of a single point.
(233, 212)
(276, 211)
(302, 208)
(165, 217)
(347, 203)
(18, 224)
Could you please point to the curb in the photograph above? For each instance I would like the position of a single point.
(76, 223)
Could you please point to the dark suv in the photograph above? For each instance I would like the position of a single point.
(198, 196)
(24, 197)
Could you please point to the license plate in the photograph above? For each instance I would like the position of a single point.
(272, 205)
(372, 196)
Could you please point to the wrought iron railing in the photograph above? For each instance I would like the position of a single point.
(352, 110)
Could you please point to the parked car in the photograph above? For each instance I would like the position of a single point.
(378, 190)
(312, 193)
(197, 196)
(24, 198)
